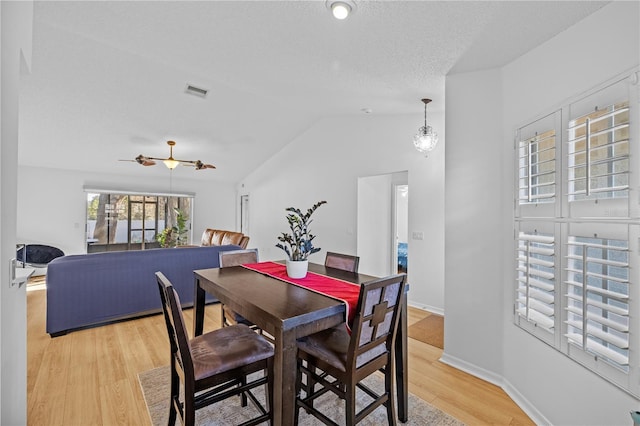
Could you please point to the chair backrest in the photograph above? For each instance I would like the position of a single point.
(244, 242)
(375, 321)
(178, 337)
(237, 257)
(345, 262)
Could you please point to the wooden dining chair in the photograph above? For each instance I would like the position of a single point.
(345, 262)
(236, 258)
(213, 366)
(337, 361)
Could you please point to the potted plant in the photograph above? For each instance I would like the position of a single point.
(165, 238)
(177, 234)
(299, 243)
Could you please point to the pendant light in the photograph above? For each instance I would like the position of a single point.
(426, 139)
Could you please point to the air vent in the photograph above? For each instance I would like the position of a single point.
(197, 91)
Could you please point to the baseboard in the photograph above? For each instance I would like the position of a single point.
(427, 308)
(534, 414)
(474, 370)
(530, 410)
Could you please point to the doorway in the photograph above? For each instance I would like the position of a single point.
(400, 225)
(382, 222)
(244, 214)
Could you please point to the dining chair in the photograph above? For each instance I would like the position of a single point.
(214, 366)
(338, 361)
(236, 258)
(345, 262)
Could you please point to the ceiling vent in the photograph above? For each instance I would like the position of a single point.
(197, 91)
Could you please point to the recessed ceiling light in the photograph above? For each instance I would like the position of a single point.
(340, 8)
(367, 110)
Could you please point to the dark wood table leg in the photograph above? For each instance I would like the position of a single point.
(284, 366)
(402, 367)
(198, 309)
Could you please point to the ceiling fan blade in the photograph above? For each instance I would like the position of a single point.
(199, 165)
(145, 161)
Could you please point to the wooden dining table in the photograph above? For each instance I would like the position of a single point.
(287, 312)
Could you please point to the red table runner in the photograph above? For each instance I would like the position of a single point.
(342, 290)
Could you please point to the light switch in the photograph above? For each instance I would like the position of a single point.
(417, 235)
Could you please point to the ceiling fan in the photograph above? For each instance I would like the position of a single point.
(171, 162)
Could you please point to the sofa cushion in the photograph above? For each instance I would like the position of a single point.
(220, 237)
(206, 237)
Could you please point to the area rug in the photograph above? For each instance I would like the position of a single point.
(429, 330)
(155, 388)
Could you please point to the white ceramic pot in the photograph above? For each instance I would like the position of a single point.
(297, 268)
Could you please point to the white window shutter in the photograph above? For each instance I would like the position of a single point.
(535, 280)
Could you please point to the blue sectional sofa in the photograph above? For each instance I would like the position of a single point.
(92, 289)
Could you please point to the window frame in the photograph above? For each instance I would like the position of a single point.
(612, 218)
(129, 245)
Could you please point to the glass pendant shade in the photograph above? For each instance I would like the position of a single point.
(426, 139)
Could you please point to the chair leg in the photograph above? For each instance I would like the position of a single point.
(175, 394)
(388, 388)
(243, 395)
(298, 390)
(269, 395)
(311, 383)
(189, 406)
(350, 405)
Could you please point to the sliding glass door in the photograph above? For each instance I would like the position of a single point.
(120, 221)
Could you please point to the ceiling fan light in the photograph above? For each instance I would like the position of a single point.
(171, 163)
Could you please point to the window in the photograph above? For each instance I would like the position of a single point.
(576, 232)
(599, 154)
(598, 298)
(126, 221)
(538, 168)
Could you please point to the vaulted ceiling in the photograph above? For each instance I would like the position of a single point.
(108, 79)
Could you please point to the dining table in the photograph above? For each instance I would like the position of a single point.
(287, 312)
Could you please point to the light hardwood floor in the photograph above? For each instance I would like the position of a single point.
(89, 377)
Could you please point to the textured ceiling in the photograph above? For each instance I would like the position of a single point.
(108, 78)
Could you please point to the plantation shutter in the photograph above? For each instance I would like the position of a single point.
(598, 298)
(535, 292)
(598, 154)
(537, 168)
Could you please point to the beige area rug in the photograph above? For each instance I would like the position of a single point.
(429, 330)
(155, 387)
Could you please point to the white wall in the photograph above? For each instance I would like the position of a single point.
(16, 36)
(52, 204)
(374, 225)
(473, 226)
(586, 55)
(483, 111)
(325, 162)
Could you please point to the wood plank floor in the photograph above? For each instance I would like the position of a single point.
(89, 377)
